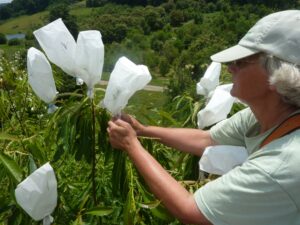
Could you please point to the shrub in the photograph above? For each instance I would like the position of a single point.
(2, 39)
(164, 66)
(29, 35)
(152, 21)
(14, 41)
(176, 18)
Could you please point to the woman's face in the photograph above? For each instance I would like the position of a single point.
(250, 79)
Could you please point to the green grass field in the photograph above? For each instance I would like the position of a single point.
(158, 81)
(23, 24)
(26, 23)
(144, 103)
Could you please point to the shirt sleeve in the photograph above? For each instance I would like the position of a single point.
(246, 195)
(232, 130)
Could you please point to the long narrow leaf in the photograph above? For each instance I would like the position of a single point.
(31, 164)
(167, 116)
(99, 211)
(119, 173)
(12, 167)
(130, 205)
(149, 205)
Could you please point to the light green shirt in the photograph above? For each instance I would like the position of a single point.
(264, 190)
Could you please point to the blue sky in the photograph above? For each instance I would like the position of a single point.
(5, 1)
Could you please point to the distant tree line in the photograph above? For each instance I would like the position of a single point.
(21, 7)
(277, 4)
(95, 3)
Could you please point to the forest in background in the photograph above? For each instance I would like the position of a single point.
(97, 185)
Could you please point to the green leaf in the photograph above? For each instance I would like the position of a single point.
(4, 136)
(103, 142)
(78, 221)
(196, 109)
(5, 204)
(58, 153)
(130, 208)
(168, 117)
(12, 167)
(156, 208)
(119, 172)
(149, 205)
(85, 198)
(161, 213)
(31, 165)
(15, 218)
(36, 152)
(99, 211)
(85, 136)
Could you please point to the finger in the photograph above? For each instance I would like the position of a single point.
(110, 124)
(125, 117)
(121, 123)
(113, 126)
(114, 118)
(117, 127)
(108, 130)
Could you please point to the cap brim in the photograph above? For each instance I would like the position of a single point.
(234, 53)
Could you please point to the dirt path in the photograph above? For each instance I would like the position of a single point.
(147, 88)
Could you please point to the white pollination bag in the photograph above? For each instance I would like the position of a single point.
(217, 108)
(58, 44)
(221, 159)
(210, 79)
(40, 77)
(219, 98)
(125, 80)
(37, 194)
(89, 58)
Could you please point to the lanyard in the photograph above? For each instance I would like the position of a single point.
(286, 127)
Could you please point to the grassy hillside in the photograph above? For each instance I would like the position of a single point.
(23, 24)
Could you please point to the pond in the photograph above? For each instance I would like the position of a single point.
(15, 36)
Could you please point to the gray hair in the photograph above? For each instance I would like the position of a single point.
(285, 77)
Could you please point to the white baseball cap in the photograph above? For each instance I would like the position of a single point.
(277, 34)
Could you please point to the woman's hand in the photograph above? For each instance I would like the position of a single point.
(135, 124)
(122, 135)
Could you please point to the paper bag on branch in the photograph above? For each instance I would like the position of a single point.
(221, 159)
(125, 79)
(40, 77)
(37, 194)
(58, 44)
(210, 79)
(217, 108)
(89, 58)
